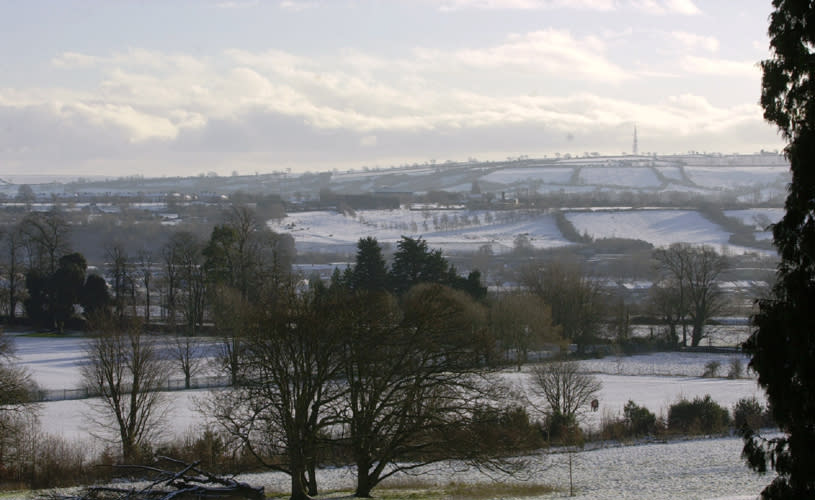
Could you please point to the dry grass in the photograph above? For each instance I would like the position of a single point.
(415, 489)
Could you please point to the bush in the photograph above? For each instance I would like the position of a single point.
(702, 415)
(639, 420)
(748, 413)
(493, 431)
(711, 369)
(736, 368)
(563, 429)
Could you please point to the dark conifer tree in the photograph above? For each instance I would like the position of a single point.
(783, 344)
(369, 271)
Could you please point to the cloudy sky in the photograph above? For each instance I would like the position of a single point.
(185, 87)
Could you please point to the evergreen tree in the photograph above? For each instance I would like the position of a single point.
(414, 263)
(95, 298)
(369, 271)
(783, 344)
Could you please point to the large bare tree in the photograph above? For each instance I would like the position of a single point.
(690, 277)
(522, 322)
(288, 379)
(576, 299)
(125, 369)
(47, 238)
(412, 378)
(566, 392)
(12, 267)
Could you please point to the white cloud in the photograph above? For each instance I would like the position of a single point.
(236, 5)
(659, 7)
(686, 7)
(368, 141)
(297, 5)
(719, 67)
(74, 60)
(602, 5)
(695, 41)
(555, 53)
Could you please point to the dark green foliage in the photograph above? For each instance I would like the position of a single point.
(501, 430)
(702, 415)
(748, 413)
(639, 420)
(369, 271)
(783, 345)
(562, 429)
(36, 304)
(51, 297)
(95, 297)
(66, 283)
(711, 369)
(414, 263)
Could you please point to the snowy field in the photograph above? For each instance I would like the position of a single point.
(700, 468)
(549, 175)
(759, 218)
(450, 230)
(460, 230)
(658, 227)
(631, 177)
(652, 380)
(730, 177)
(705, 469)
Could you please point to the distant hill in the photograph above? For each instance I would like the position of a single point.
(752, 179)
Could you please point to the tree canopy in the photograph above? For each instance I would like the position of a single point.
(782, 345)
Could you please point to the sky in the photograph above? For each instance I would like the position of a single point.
(183, 87)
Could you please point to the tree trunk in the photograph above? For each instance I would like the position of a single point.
(298, 486)
(364, 485)
(312, 477)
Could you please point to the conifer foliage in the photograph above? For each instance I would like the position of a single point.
(783, 344)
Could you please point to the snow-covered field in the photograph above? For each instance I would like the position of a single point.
(702, 468)
(460, 230)
(708, 469)
(450, 230)
(549, 175)
(632, 177)
(652, 380)
(730, 176)
(658, 227)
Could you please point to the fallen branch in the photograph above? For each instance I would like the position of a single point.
(188, 482)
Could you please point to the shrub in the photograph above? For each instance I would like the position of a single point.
(639, 420)
(563, 429)
(711, 369)
(736, 368)
(748, 413)
(702, 415)
(496, 431)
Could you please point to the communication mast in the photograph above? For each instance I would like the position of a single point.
(634, 147)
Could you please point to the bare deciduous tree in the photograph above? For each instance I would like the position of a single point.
(522, 322)
(288, 378)
(47, 237)
(119, 276)
(577, 300)
(11, 266)
(564, 388)
(145, 272)
(125, 369)
(692, 273)
(412, 380)
(187, 352)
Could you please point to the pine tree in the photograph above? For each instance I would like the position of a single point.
(369, 271)
(783, 344)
